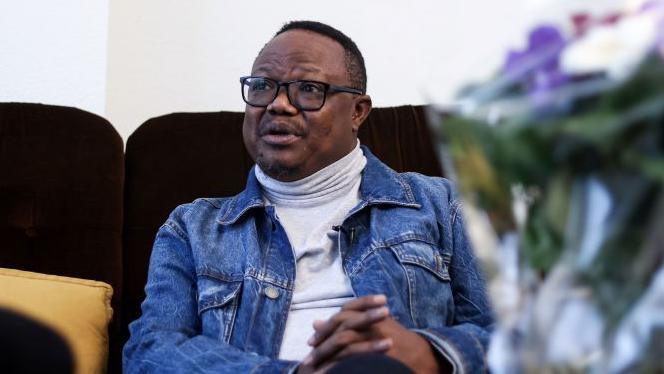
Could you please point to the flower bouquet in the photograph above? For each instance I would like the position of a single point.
(560, 161)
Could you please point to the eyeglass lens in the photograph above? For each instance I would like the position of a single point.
(260, 91)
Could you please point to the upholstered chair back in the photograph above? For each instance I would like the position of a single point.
(61, 203)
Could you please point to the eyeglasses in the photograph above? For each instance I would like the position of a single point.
(302, 94)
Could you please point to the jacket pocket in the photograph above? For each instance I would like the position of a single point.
(423, 255)
(426, 271)
(218, 301)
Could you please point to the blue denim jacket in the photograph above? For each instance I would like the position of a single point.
(222, 275)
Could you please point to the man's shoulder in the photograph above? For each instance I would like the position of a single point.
(428, 186)
(415, 186)
(200, 210)
(417, 179)
(435, 195)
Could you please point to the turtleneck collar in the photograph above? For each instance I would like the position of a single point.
(325, 185)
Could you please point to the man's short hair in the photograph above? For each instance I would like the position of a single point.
(354, 60)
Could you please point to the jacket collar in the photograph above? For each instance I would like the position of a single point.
(380, 186)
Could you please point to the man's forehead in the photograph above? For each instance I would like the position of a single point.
(277, 66)
(307, 51)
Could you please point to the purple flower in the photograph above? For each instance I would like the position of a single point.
(537, 69)
(652, 5)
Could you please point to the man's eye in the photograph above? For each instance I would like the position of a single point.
(259, 85)
(311, 87)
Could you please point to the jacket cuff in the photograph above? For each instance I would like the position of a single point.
(463, 351)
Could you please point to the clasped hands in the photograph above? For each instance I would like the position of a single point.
(364, 325)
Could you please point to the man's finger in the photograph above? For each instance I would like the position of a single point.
(347, 320)
(332, 345)
(364, 320)
(371, 346)
(325, 367)
(325, 328)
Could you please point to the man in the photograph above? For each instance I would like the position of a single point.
(328, 258)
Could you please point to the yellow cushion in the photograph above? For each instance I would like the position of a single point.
(78, 309)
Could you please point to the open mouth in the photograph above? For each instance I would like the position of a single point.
(279, 136)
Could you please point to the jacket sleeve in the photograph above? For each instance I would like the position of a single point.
(167, 337)
(464, 343)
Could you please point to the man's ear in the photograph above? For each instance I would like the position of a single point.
(361, 111)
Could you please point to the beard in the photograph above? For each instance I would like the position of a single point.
(276, 170)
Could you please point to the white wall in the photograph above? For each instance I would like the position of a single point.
(166, 57)
(54, 52)
(131, 60)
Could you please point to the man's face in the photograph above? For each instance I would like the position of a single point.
(290, 144)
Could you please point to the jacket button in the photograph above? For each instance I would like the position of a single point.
(271, 292)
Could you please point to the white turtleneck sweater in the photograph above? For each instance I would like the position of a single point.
(308, 209)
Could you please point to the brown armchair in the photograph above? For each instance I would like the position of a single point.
(61, 179)
(72, 204)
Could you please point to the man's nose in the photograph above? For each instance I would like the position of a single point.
(281, 103)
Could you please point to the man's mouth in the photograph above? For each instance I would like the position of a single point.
(279, 135)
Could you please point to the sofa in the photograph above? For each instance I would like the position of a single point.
(75, 203)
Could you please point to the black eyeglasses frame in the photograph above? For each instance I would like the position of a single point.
(329, 88)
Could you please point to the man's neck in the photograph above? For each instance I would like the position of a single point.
(317, 188)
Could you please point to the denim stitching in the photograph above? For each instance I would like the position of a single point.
(407, 189)
(229, 209)
(211, 201)
(455, 207)
(283, 319)
(387, 244)
(211, 273)
(176, 229)
(230, 325)
(267, 278)
(470, 301)
(215, 303)
(411, 290)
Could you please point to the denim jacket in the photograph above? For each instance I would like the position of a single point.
(222, 275)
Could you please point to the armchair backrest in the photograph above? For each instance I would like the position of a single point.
(61, 177)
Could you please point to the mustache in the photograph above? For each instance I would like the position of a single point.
(280, 128)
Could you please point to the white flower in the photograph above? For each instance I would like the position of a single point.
(634, 333)
(614, 49)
